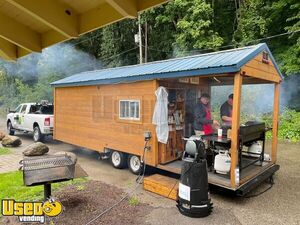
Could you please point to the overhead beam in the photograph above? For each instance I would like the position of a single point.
(97, 18)
(22, 52)
(52, 37)
(256, 73)
(20, 40)
(127, 8)
(53, 13)
(142, 5)
(19, 34)
(8, 51)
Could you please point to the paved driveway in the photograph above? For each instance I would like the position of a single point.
(280, 205)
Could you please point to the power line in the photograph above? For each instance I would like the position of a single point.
(230, 45)
(113, 56)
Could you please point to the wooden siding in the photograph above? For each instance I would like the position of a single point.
(88, 116)
(256, 68)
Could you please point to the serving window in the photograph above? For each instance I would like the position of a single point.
(129, 109)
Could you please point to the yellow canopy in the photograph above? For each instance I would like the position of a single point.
(29, 25)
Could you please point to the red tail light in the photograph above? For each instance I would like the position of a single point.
(47, 122)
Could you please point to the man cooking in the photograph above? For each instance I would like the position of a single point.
(226, 111)
(202, 117)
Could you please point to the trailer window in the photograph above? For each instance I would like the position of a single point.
(129, 109)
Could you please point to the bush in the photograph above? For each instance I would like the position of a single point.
(289, 123)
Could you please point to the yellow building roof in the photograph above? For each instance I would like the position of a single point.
(29, 25)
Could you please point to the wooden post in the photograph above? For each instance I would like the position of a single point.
(54, 113)
(237, 89)
(155, 145)
(275, 122)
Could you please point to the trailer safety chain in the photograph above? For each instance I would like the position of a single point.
(138, 181)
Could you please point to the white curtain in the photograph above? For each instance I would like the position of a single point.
(160, 115)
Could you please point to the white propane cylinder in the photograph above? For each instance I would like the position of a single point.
(222, 162)
(255, 149)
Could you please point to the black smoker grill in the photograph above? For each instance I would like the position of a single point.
(249, 133)
(46, 170)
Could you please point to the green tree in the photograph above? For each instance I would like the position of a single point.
(116, 39)
(185, 24)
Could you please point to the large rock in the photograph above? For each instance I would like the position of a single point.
(11, 141)
(2, 135)
(70, 154)
(36, 149)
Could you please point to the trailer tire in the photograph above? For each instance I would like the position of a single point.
(10, 129)
(134, 164)
(37, 135)
(118, 159)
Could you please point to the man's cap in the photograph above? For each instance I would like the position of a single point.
(230, 96)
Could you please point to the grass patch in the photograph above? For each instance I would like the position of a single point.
(80, 187)
(4, 151)
(11, 187)
(133, 201)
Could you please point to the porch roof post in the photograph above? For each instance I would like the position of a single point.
(237, 90)
(275, 122)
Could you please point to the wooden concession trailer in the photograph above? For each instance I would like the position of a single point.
(109, 110)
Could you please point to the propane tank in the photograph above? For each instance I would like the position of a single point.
(222, 162)
(255, 149)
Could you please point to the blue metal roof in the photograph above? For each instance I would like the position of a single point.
(227, 61)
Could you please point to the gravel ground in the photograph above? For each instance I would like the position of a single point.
(279, 205)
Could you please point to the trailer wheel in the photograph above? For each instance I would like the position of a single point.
(10, 129)
(37, 135)
(118, 159)
(134, 164)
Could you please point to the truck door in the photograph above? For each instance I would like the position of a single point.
(16, 117)
(29, 117)
(22, 117)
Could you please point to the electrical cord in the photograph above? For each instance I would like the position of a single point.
(138, 180)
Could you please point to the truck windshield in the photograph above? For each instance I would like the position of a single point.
(18, 109)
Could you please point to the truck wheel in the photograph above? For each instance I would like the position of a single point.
(37, 135)
(134, 164)
(118, 159)
(10, 129)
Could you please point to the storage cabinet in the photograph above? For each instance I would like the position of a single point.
(176, 115)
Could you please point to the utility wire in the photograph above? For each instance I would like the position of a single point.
(230, 45)
(138, 180)
(113, 56)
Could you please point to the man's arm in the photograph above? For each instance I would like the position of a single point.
(226, 118)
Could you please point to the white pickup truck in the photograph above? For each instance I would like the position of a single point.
(31, 117)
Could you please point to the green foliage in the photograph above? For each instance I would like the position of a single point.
(182, 25)
(253, 22)
(80, 187)
(117, 38)
(133, 201)
(4, 151)
(194, 25)
(289, 126)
